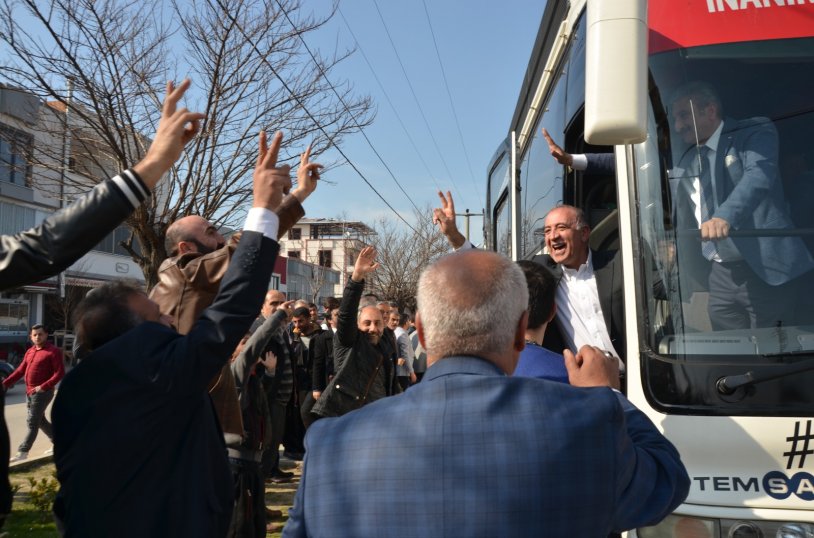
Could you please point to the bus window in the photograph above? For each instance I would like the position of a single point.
(541, 176)
(738, 117)
(503, 227)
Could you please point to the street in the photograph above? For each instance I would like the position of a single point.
(17, 428)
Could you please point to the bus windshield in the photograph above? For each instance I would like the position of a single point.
(724, 186)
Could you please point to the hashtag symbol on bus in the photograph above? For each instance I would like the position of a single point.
(796, 440)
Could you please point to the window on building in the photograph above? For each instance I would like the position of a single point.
(325, 258)
(15, 155)
(15, 218)
(295, 234)
(294, 254)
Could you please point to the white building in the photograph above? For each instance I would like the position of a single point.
(35, 182)
(330, 243)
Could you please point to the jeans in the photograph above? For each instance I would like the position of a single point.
(37, 402)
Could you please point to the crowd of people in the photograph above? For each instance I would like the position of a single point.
(494, 409)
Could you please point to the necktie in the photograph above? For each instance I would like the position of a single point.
(708, 249)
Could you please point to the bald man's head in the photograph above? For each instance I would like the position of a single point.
(192, 234)
(488, 294)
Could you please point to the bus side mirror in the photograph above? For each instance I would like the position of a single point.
(616, 72)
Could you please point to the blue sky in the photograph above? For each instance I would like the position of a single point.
(484, 47)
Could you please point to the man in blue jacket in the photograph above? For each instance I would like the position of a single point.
(137, 445)
(491, 455)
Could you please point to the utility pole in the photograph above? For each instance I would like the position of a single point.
(466, 223)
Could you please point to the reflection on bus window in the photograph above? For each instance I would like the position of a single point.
(725, 183)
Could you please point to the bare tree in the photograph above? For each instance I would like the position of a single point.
(403, 254)
(103, 65)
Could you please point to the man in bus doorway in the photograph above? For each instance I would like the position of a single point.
(726, 179)
(590, 289)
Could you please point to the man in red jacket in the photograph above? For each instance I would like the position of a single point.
(42, 367)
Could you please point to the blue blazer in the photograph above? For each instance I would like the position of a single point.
(490, 455)
(137, 445)
(750, 197)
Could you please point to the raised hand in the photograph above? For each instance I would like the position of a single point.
(271, 182)
(268, 360)
(365, 264)
(444, 217)
(175, 129)
(556, 151)
(287, 307)
(307, 176)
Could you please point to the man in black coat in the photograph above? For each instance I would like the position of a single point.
(137, 445)
(68, 234)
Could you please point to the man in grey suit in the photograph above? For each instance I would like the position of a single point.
(728, 180)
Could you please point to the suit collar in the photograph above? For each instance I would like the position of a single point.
(461, 365)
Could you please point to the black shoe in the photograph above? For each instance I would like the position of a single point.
(279, 477)
(294, 456)
(279, 473)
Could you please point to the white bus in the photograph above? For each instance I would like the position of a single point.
(737, 401)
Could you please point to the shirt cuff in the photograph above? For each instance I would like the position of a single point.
(580, 161)
(265, 221)
(467, 244)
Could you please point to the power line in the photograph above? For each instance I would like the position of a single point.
(347, 109)
(311, 116)
(389, 101)
(415, 97)
(449, 95)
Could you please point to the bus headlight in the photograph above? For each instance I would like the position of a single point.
(675, 526)
(681, 527)
(795, 530)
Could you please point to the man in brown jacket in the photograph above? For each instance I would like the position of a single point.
(189, 279)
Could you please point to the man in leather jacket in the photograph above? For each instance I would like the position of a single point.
(189, 280)
(67, 235)
(364, 360)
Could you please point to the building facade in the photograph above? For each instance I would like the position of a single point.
(329, 243)
(39, 174)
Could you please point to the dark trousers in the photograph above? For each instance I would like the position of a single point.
(249, 513)
(5, 487)
(271, 456)
(739, 299)
(37, 402)
(404, 381)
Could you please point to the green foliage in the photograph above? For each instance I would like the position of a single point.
(43, 493)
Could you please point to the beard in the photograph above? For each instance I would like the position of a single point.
(374, 338)
(203, 249)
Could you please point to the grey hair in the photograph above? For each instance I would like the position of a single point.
(701, 92)
(581, 220)
(486, 324)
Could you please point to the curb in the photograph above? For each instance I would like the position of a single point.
(31, 463)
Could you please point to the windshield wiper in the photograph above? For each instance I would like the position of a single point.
(729, 384)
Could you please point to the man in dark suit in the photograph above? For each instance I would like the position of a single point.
(590, 290)
(137, 445)
(491, 455)
(727, 179)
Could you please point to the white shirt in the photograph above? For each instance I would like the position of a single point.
(579, 313)
(726, 249)
(265, 221)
